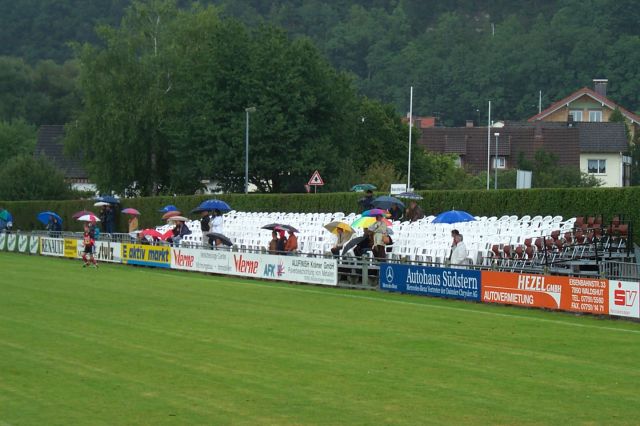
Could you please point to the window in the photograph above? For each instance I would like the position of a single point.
(458, 161)
(595, 116)
(577, 114)
(597, 166)
(499, 162)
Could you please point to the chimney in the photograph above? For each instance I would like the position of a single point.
(600, 86)
(469, 123)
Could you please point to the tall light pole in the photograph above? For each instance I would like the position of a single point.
(495, 165)
(246, 150)
(488, 145)
(410, 129)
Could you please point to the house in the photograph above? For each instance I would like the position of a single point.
(595, 148)
(587, 105)
(50, 145)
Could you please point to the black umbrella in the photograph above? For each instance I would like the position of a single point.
(225, 240)
(289, 228)
(272, 226)
(352, 243)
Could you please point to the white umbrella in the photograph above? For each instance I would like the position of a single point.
(100, 204)
(89, 218)
(178, 219)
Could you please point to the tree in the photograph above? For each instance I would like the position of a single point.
(16, 138)
(29, 178)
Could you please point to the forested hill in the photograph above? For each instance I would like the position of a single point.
(457, 54)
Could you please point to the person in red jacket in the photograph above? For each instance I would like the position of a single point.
(89, 243)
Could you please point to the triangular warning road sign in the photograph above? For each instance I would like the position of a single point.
(316, 179)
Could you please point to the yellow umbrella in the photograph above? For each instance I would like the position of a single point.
(334, 226)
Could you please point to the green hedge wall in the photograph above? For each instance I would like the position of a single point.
(565, 202)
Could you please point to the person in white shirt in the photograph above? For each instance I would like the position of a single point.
(216, 222)
(458, 253)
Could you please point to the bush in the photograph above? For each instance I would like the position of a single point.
(566, 202)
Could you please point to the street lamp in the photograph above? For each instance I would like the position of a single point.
(246, 150)
(495, 166)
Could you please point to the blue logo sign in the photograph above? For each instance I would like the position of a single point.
(429, 281)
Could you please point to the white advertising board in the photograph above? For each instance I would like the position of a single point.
(104, 251)
(34, 244)
(11, 242)
(3, 241)
(52, 246)
(264, 266)
(23, 243)
(623, 298)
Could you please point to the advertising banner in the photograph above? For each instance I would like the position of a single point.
(3, 241)
(623, 298)
(264, 266)
(11, 242)
(71, 247)
(546, 291)
(52, 246)
(34, 244)
(23, 243)
(146, 255)
(429, 281)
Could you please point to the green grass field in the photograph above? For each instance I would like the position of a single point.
(123, 345)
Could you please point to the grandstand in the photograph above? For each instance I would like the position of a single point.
(575, 246)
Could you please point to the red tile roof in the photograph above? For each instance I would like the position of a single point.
(586, 91)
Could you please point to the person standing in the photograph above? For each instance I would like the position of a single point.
(217, 222)
(366, 203)
(205, 226)
(133, 223)
(109, 220)
(459, 253)
(89, 243)
(380, 231)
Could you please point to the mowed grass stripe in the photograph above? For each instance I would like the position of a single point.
(142, 346)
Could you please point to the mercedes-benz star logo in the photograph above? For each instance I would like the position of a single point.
(389, 274)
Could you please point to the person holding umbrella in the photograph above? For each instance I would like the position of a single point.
(273, 244)
(292, 243)
(217, 222)
(396, 212)
(380, 231)
(54, 227)
(205, 226)
(366, 203)
(414, 212)
(341, 239)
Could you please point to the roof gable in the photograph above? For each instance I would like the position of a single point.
(585, 91)
(50, 145)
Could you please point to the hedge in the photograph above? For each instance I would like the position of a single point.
(565, 202)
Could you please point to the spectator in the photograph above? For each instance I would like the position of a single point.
(341, 240)
(366, 203)
(273, 244)
(414, 212)
(109, 220)
(133, 223)
(379, 229)
(217, 222)
(396, 212)
(365, 245)
(54, 227)
(458, 252)
(291, 245)
(281, 243)
(179, 231)
(205, 226)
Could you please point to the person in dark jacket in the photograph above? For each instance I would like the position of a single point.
(205, 227)
(366, 203)
(109, 220)
(414, 212)
(396, 212)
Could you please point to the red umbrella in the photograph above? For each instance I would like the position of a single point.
(81, 213)
(167, 235)
(131, 211)
(151, 232)
(170, 214)
(89, 218)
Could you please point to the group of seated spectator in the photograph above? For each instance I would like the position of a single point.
(280, 244)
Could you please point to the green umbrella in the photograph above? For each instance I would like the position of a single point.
(361, 187)
(5, 215)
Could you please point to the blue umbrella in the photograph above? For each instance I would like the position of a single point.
(43, 217)
(453, 216)
(385, 202)
(214, 205)
(108, 199)
(6, 216)
(410, 196)
(168, 208)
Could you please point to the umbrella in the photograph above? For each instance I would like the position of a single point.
(43, 217)
(410, 196)
(361, 187)
(334, 226)
(272, 226)
(81, 213)
(385, 202)
(100, 204)
(6, 216)
(131, 211)
(89, 218)
(151, 233)
(172, 213)
(225, 240)
(375, 212)
(210, 205)
(178, 219)
(352, 243)
(453, 216)
(168, 234)
(289, 228)
(365, 222)
(168, 208)
(198, 210)
(108, 199)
